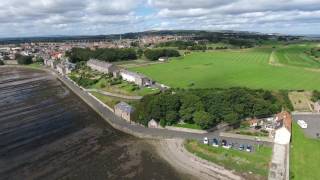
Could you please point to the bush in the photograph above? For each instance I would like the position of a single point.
(155, 54)
(1, 63)
(24, 60)
(163, 123)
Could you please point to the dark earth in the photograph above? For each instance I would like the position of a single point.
(47, 132)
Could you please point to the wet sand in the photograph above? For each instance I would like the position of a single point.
(46, 132)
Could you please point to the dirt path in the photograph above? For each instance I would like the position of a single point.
(174, 152)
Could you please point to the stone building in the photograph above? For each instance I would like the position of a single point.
(101, 66)
(124, 111)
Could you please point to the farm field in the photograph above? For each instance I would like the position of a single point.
(305, 156)
(295, 55)
(231, 68)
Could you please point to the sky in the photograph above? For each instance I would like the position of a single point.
(23, 18)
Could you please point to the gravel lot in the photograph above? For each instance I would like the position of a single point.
(313, 121)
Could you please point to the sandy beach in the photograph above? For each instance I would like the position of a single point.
(173, 151)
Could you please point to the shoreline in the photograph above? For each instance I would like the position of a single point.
(173, 151)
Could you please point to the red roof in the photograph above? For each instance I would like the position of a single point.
(286, 119)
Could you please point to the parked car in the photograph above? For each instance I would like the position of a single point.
(215, 143)
(241, 147)
(249, 148)
(205, 140)
(302, 124)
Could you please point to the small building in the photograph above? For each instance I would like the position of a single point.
(253, 122)
(283, 128)
(50, 63)
(153, 124)
(136, 78)
(317, 106)
(65, 67)
(124, 111)
(101, 66)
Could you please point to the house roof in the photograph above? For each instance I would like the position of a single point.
(99, 63)
(123, 106)
(284, 119)
(134, 74)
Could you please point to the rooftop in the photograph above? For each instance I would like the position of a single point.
(123, 106)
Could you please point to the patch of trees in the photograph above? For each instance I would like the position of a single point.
(105, 54)
(184, 45)
(155, 54)
(315, 96)
(207, 107)
(1, 63)
(24, 60)
(242, 43)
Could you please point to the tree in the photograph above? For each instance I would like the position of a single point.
(24, 60)
(172, 117)
(203, 119)
(39, 59)
(139, 52)
(1, 63)
(155, 54)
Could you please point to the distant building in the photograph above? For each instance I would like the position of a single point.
(124, 110)
(283, 122)
(136, 78)
(153, 124)
(65, 68)
(101, 66)
(50, 63)
(317, 106)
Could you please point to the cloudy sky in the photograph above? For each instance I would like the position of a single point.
(91, 17)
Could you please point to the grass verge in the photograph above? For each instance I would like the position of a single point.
(304, 156)
(243, 162)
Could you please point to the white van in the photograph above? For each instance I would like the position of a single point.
(302, 124)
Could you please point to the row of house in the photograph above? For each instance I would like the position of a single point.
(63, 67)
(109, 68)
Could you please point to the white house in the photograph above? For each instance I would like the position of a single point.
(283, 128)
(136, 78)
(153, 124)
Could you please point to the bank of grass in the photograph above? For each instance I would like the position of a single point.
(108, 100)
(187, 125)
(233, 68)
(242, 162)
(304, 156)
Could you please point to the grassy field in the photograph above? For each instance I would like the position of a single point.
(243, 162)
(231, 68)
(305, 156)
(295, 55)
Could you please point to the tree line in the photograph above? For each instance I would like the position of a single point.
(208, 107)
(155, 54)
(104, 54)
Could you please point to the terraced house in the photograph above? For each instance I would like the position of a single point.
(101, 66)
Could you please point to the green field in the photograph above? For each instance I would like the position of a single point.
(304, 156)
(295, 55)
(231, 68)
(243, 162)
